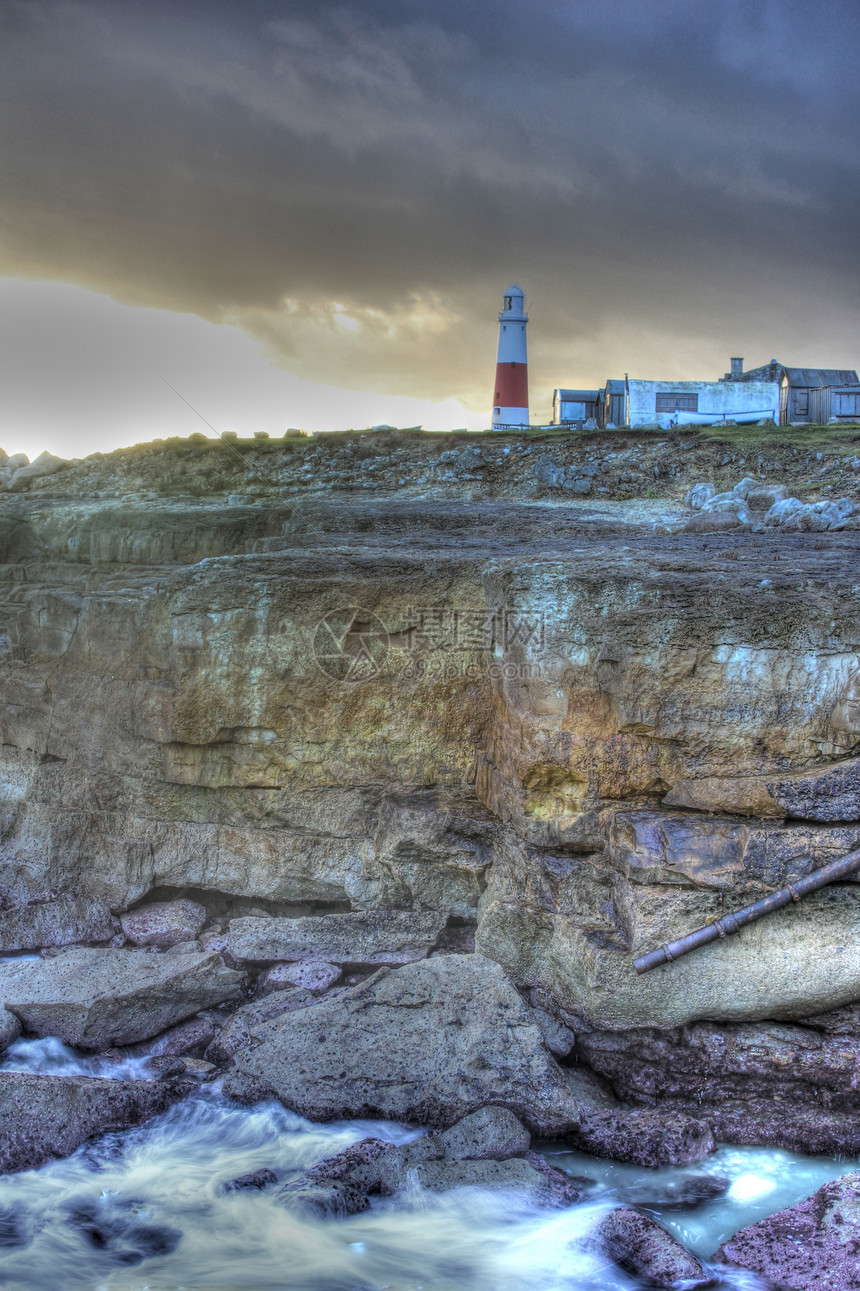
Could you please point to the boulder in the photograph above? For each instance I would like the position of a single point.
(45, 1117)
(828, 794)
(813, 1244)
(782, 510)
(55, 923)
(163, 924)
(96, 998)
(42, 466)
(243, 1027)
(360, 937)
(763, 497)
(309, 974)
(187, 1038)
(744, 487)
(699, 494)
(640, 1246)
(487, 1149)
(714, 521)
(643, 1136)
(728, 504)
(427, 1043)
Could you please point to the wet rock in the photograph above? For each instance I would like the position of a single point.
(50, 1116)
(16, 1227)
(813, 1244)
(473, 1153)
(95, 998)
(55, 923)
(199, 1069)
(112, 1226)
(360, 937)
(642, 1136)
(167, 1067)
(309, 974)
(164, 923)
(427, 1043)
(683, 1193)
(10, 1029)
(258, 1179)
(640, 1246)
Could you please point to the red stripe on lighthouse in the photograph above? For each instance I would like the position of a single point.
(512, 385)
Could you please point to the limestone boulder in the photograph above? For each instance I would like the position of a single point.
(163, 924)
(763, 497)
(55, 923)
(46, 1117)
(244, 1027)
(643, 1137)
(94, 999)
(360, 937)
(813, 1244)
(427, 1043)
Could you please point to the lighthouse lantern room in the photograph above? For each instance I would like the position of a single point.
(511, 397)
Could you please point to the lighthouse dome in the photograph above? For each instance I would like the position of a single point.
(514, 301)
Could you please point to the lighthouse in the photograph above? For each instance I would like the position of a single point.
(511, 396)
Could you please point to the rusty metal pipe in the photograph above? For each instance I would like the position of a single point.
(730, 923)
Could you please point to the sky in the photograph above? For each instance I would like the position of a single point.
(305, 214)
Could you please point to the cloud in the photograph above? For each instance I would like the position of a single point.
(668, 181)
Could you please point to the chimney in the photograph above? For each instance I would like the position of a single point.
(737, 369)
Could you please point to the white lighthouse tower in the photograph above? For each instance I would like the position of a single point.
(511, 392)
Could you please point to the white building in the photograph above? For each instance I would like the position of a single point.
(702, 403)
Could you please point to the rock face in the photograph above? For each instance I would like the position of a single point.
(362, 937)
(509, 704)
(813, 1244)
(93, 999)
(780, 1086)
(55, 923)
(427, 1043)
(164, 923)
(51, 1116)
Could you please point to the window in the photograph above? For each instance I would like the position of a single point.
(846, 405)
(677, 401)
(496, 411)
(801, 402)
(509, 301)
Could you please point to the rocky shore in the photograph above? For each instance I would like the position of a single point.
(364, 799)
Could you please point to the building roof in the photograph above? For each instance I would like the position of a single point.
(578, 396)
(616, 387)
(815, 377)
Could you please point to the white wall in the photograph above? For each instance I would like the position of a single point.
(715, 397)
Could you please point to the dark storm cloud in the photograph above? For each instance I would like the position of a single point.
(644, 168)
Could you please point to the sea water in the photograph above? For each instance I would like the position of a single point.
(147, 1210)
